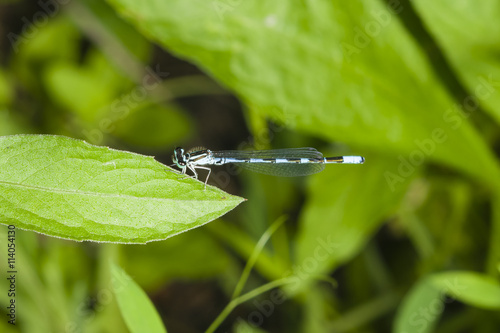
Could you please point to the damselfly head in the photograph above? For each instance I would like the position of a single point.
(179, 158)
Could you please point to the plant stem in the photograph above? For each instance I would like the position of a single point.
(256, 252)
(269, 267)
(245, 297)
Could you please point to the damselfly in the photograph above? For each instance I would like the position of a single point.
(288, 162)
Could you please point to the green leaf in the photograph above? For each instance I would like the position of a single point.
(472, 288)
(345, 71)
(333, 226)
(420, 309)
(456, 26)
(137, 310)
(68, 188)
(424, 303)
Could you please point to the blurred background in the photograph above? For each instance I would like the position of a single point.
(411, 86)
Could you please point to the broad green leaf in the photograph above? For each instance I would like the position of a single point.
(420, 309)
(472, 288)
(70, 189)
(457, 25)
(343, 70)
(137, 310)
(345, 206)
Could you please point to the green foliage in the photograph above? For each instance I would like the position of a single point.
(144, 126)
(326, 86)
(6, 92)
(420, 309)
(333, 227)
(70, 189)
(471, 288)
(412, 237)
(473, 59)
(136, 308)
(424, 304)
(204, 258)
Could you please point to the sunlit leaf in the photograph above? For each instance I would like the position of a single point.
(67, 188)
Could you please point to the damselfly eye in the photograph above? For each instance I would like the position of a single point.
(178, 157)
